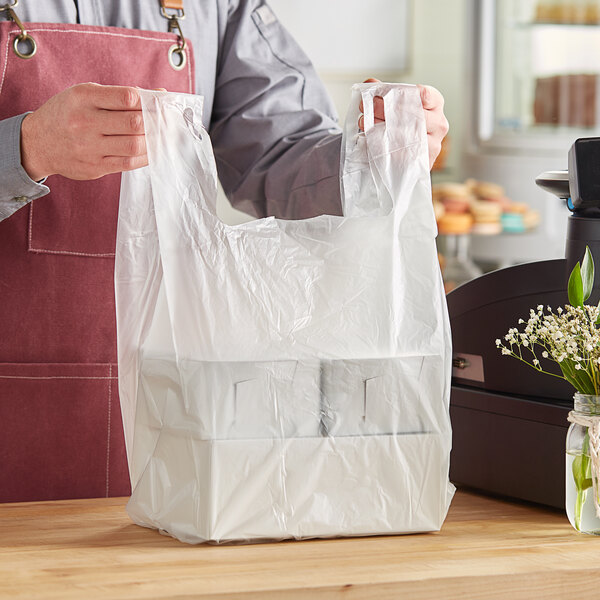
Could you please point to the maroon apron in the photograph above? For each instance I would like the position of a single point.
(61, 434)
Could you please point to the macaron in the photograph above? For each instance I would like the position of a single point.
(503, 201)
(492, 228)
(488, 190)
(452, 189)
(512, 223)
(438, 210)
(455, 204)
(486, 212)
(519, 208)
(455, 223)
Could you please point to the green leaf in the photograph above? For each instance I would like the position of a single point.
(575, 287)
(581, 472)
(597, 322)
(587, 273)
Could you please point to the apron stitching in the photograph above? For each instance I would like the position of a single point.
(40, 251)
(54, 377)
(108, 255)
(30, 224)
(124, 35)
(5, 61)
(46, 251)
(108, 428)
(136, 37)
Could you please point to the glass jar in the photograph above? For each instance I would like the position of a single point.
(579, 489)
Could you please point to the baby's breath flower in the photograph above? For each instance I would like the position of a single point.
(567, 336)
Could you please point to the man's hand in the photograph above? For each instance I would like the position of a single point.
(437, 124)
(435, 120)
(85, 132)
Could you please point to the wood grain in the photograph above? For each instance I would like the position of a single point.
(487, 549)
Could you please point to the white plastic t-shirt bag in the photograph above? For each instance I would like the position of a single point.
(284, 378)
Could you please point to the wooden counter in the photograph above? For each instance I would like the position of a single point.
(86, 549)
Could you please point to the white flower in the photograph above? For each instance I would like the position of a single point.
(565, 334)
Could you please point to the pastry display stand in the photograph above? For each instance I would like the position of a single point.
(458, 265)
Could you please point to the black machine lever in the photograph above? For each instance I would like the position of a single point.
(580, 185)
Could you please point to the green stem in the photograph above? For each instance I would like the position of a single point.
(579, 502)
(582, 476)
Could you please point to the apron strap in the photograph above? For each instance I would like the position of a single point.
(174, 17)
(176, 5)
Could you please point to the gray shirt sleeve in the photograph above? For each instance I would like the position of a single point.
(16, 187)
(274, 129)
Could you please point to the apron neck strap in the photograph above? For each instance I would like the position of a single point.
(177, 14)
(176, 5)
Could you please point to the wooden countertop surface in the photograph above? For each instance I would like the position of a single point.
(487, 549)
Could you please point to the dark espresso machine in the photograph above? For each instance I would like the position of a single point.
(509, 421)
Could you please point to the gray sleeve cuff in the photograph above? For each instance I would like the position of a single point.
(16, 187)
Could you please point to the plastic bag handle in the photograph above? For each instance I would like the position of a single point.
(380, 163)
(369, 92)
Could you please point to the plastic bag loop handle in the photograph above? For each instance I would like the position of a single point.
(368, 93)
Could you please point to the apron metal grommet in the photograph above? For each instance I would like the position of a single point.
(25, 38)
(177, 62)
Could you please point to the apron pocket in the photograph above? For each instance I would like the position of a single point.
(61, 432)
(76, 218)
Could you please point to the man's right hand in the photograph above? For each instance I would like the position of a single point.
(85, 132)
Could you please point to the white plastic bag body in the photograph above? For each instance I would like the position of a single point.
(284, 378)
